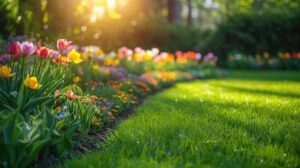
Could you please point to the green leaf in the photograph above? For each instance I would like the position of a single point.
(20, 96)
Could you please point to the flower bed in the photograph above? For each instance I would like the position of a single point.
(51, 99)
(286, 61)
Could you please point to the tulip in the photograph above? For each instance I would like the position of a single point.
(96, 67)
(107, 61)
(27, 48)
(32, 82)
(5, 71)
(38, 47)
(61, 60)
(74, 56)
(198, 56)
(76, 79)
(43, 52)
(115, 62)
(62, 44)
(15, 50)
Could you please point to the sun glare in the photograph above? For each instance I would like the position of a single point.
(102, 8)
(111, 4)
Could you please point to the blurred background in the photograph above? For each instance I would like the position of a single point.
(219, 26)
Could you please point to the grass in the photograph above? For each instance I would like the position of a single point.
(251, 119)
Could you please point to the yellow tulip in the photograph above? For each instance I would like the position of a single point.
(115, 62)
(84, 57)
(96, 67)
(76, 79)
(74, 56)
(107, 61)
(100, 52)
(107, 72)
(5, 71)
(32, 82)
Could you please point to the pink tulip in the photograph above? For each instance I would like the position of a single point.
(62, 44)
(27, 48)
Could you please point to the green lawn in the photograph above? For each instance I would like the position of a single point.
(250, 119)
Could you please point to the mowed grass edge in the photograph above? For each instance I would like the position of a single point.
(250, 119)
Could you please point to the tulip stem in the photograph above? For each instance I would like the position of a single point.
(39, 68)
(33, 70)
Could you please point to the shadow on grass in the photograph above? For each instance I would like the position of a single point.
(293, 76)
(259, 91)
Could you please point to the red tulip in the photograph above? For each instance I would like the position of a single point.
(62, 44)
(294, 55)
(43, 52)
(15, 48)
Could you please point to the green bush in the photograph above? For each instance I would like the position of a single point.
(256, 32)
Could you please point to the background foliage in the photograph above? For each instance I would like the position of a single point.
(220, 26)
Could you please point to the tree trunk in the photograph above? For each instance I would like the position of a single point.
(190, 10)
(20, 28)
(175, 8)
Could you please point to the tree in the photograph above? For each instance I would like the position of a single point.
(175, 9)
(190, 10)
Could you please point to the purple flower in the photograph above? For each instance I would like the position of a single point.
(27, 48)
(54, 54)
(4, 58)
(210, 58)
(198, 56)
(106, 104)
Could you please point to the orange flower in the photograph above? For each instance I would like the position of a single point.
(61, 60)
(70, 94)
(93, 98)
(111, 116)
(56, 93)
(58, 109)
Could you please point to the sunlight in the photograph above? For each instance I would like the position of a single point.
(98, 10)
(102, 8)
(111, 4)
